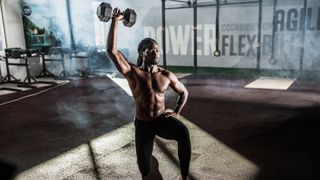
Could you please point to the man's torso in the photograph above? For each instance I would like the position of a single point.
(148, 90)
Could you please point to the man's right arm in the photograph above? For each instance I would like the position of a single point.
(116, 56)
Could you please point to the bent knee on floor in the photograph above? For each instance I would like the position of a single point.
(183, 134)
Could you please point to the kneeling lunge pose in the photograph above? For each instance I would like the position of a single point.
(148, 83)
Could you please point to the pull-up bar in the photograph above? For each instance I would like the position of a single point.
(188, 2)
(206, 4)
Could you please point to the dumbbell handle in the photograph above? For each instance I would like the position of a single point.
(127, 15)
(120, 13)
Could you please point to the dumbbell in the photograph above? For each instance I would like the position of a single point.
(8, 51)
(19, 53)
(104, 13)
(32, 52)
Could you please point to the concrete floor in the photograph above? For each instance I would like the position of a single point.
(84, 130)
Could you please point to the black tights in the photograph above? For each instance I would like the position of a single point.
(168, 128)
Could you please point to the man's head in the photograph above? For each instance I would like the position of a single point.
(149, 52)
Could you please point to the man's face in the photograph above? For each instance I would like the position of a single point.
(152, 54)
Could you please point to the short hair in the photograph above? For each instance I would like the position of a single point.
(144, 43)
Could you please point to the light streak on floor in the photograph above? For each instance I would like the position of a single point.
(115, 158)
(271, 83)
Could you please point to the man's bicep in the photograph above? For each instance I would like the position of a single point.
(176, 85)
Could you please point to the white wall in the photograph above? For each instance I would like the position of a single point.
(13, 23)
(14, 32)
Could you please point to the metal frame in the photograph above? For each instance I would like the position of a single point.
(163, 5)
(259, 37)
(208, 4)
(68, 4)
(195, 5)
(272, 59)
(29, 78)
(195, 44)
(303, 34)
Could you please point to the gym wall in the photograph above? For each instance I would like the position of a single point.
(238, 35)
(238, 31)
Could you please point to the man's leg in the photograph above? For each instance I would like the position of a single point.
(144, 138)
(171, 128)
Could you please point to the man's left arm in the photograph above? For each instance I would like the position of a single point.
(181, 90)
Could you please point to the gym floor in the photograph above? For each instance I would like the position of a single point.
(84, 130)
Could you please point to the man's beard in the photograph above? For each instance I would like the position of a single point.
(155, 62)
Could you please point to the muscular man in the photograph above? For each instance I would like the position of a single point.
(148, 83)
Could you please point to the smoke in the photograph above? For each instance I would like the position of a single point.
(75, 112)
(87, 34)
(88, 101)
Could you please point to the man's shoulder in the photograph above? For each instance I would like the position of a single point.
(166, 72)
(134, 67)
(163, 71)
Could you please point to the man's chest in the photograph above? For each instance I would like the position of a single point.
(155, 82)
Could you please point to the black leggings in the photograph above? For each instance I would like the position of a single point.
(168, 128)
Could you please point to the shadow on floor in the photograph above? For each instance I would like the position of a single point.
(37, 129)
(279, 133)
(7, 170)
(291, 151)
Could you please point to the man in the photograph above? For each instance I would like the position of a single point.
(148, 83)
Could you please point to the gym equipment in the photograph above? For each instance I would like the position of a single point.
(32, 52)
(50, 55)
(130, 17)
(21, 54)
(104, 13)
(3, 79)
(8, 51)
(273, 60)
(18, 53)
(217, 52)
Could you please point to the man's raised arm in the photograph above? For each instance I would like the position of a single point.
(116, 56)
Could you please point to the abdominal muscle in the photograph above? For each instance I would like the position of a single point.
(149, 107)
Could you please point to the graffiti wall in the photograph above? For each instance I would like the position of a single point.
(288, 44)
(238, 27)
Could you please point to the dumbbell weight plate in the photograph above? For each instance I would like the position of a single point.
(104, 12)
(130, 17)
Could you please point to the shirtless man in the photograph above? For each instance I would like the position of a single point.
(148, 83)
